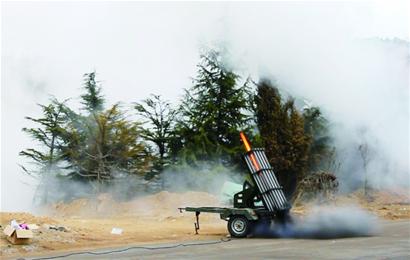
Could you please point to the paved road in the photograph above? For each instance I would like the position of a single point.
(392, 243)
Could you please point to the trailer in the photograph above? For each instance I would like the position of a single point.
(263, 187)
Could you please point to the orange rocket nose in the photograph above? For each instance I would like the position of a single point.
(245, 141)
(248, 149)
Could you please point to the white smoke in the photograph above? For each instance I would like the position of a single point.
(321, 52)
(206, 176)
(325, 223)
(315, 50)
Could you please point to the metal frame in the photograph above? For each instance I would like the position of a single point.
(266, 188)
(264, 177)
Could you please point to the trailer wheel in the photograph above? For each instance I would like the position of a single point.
(239, 226)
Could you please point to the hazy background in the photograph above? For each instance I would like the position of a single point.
(328, 52)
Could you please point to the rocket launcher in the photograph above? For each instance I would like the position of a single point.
(247, 209)
(266, 187)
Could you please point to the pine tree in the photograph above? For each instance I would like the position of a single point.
(92, 100)
(47, 134)
(213, 112)
(321, 152)
(47, 158)
(160, 118)
(281, 129)
(104, 144)
(96, 145)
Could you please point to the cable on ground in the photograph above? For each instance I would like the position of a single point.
(222, 240)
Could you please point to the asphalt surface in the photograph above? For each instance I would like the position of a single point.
(392, 243)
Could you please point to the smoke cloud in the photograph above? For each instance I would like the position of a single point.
(207, 177)
(327, 53)
(324, 223)
(327, 56)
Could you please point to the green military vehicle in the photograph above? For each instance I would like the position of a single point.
(264, 188)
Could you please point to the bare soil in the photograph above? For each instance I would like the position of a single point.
(154, 219)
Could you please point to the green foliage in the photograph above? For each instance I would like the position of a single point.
(281, 129)
(92, 99)
(104, 144)
(159, 116)
(321, 152)
(213, 112)
(95, 146)
(99, 143)
(46, 134)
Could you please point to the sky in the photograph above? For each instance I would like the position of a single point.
(139, 48)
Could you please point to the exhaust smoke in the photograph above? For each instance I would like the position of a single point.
(324, 222)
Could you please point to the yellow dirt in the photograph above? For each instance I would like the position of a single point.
(152, 219)
(387, 204)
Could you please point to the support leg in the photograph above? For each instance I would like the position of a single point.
(196, 224)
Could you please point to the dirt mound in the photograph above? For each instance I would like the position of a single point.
(397, 196)
(88, 223)
(154, 218)
(87, 207)
(381, 197)
(6, 217)
(160, 204)
(388, 204)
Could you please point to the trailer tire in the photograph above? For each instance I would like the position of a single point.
(239, 226)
